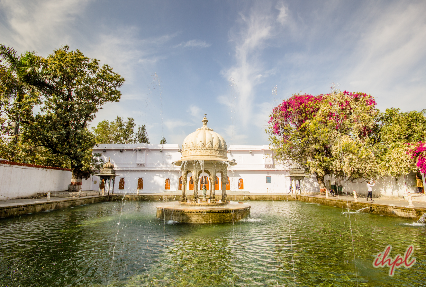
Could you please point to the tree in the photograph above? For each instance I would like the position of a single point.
(326, 134)
(115, 132)
(142, 135)
(17, 98)
(289, 131)
(401, 136)
(350, 128)
(70, 88)
(119, 132)
(163, 141)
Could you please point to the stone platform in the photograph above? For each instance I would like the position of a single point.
(184, 213)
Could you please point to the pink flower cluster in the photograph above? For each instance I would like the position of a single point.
(345, 108)
(358, 96)
(418, 151)
(294, 112)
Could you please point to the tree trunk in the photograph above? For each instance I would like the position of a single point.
(76, 182)
(320, 179)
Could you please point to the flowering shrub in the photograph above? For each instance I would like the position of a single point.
(418, 152)
(294, 112)
(309, 130)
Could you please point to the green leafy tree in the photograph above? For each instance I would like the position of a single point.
(115, 132)
(163, 141)
(142, 135)
(69, 89)
(399, 131)
(17, 98)
(119, 132)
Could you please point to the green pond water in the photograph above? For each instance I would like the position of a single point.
(281, 244)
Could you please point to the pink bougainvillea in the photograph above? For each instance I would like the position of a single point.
(336, 110)
(418, 151)
(294, 112)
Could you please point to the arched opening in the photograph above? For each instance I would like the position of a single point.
(191, 184)
(240, 184)
(204, 182)
(216, 184)
(228, 184)
(140, 183)
(121, 183)
(167, 185)
(180, 183)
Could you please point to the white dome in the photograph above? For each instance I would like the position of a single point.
(204, 144)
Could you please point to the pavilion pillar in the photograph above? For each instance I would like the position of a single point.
(184, 185)
(224, 182)
(214, 185)
(195, 179)
(211, 182)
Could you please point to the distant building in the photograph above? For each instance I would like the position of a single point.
(147, 168)
(150, 169)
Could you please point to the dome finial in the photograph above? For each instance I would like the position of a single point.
(205, 120)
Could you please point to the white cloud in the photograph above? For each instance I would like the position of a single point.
(233, 136)
(173, 124)
(390, 57)
(193, 44)
(39, 25)
(283, 15)
(250, 38)
(122, 49)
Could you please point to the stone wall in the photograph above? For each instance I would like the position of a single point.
(385, 186)
(24, 180)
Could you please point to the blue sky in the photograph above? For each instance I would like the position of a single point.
(234, 60)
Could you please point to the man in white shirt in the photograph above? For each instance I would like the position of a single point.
(370, 185)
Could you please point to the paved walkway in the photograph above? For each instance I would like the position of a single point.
(28, 201)
(419, 200)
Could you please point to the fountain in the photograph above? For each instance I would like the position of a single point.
(204, 151)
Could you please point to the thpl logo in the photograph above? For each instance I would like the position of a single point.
(383, 261)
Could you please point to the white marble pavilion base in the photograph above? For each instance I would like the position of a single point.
(230, 212)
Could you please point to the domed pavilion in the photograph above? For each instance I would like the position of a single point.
(204, 151)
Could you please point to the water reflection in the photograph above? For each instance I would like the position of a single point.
(283, 243)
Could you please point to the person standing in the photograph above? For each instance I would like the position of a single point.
(370, 185)
(419, 184)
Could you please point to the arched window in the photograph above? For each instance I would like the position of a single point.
(121, 183)
(216, 184)
(167, 185)
(191, 184)
(228, 184)
(180, 183)
(240, 184)
(140, 183)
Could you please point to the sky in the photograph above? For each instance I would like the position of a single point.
(231, 60)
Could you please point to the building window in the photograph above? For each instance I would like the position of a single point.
(180, 183)
(228, 184)
(121, 183)
(140, 183)
(240, 184)
(268, 179)
(167, 185)
(216, 184)
(191, 183)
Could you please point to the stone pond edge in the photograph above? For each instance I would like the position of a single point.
(369, 207)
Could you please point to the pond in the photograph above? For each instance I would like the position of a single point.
(281, 244)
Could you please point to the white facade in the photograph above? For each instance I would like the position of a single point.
(154, 164)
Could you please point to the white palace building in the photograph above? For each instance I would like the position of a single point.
(149, 168)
